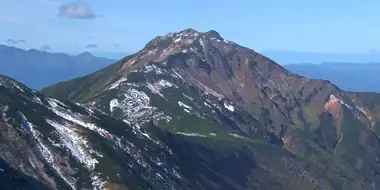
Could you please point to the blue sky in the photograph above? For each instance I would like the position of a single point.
(127, 25)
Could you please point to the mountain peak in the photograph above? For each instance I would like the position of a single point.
(85, 54)
(213, 34)
(186, 41)
(189, 31)
(184, 37)
(173, 37)
(192, 32)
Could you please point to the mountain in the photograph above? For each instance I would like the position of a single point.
(357, 77)
(199, 84)
(38, 69)
(51, 144)
(110, 55)
(293, 57)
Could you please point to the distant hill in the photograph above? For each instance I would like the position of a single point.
(112, 55)
(109, 55)
(357, 77)
(291, 57)
(38, 69)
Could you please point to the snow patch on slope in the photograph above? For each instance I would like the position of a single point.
(229, 107)
(181, 104)
(113, 103)
(118, 142)
(175, 74)
(37, 100)
(117, 83)
(80, 149)
(238, 136)
(159, 85)
(177, 40)
(152, 68)
(185, 107)
(45, 152)
(75, 118)
(138, 98)
(136, 108)
(190, 134)
(77, 145)
(195, 134)
(207, 104)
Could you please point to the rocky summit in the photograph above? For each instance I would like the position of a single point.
(189, 111)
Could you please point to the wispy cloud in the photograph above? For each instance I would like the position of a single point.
(92, 46)
(45, 48)
(76, 10)
(12, 41)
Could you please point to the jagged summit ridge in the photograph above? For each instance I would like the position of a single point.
(188, 41)
(192, 33)
(186, 36)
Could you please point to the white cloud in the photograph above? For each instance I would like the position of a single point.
(92, 46)
(12, 41)
(45, 48)
(18, 17)
(76, 10)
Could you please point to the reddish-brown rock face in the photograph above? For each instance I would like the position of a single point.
(230, 71)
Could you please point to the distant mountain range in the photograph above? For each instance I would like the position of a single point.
(109, 55)
(39, 69)
(290, 57)
(357, 77)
